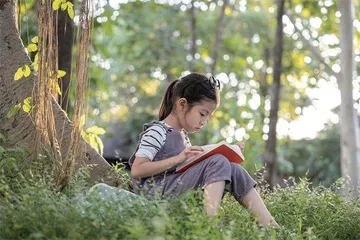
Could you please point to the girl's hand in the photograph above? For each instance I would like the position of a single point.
(241, 145)
(189, 152)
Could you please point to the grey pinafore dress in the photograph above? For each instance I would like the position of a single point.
(238, 182)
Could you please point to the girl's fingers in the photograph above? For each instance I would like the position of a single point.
(196, 148)
(241, 145)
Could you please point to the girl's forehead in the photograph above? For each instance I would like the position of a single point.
(207, 105)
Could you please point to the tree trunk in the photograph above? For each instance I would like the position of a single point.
(193, 36)
(19, 130)
(350, 162)
(350, 155)
(218, 37)
(264, 86)
(65, 41)
(270, 147)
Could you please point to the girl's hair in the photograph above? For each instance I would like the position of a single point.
(194, 87)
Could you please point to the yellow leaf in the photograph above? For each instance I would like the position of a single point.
(19, 74)
(61, 73)
(95, 130)
(27, 105)
(70, 12)
(32, 47)
(100, 145)
(56, 4)
(36, 58)
(35, 39)
(227, 11)
(82, 121)
(64, 6)
(58, 90)
(36, 62)
(26, 70)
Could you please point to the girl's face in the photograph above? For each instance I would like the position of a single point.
(197, 117)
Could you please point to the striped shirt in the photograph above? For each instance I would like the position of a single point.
(152, 141)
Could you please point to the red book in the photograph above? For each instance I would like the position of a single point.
(231, 152)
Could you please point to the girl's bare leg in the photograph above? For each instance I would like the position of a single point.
(213, 193)
(255, 204)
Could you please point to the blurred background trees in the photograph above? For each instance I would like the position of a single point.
(138, 47)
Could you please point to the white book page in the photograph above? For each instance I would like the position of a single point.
(234, 147)
(209, 147)
(237, 149)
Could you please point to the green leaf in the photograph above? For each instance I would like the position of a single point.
(56, 4)
(70, 10)
(19, 74)
(27, 105)
(35, 39)
(32, 47)
(2, 138)
(26, 70)
(61, 73)
(64, 6)
(95, 130)
(13, 110)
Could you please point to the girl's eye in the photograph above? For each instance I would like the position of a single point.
(203, 115)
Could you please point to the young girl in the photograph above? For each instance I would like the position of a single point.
(186, 107)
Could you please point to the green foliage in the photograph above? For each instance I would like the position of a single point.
(318, 158)
(139, 46)
(31, 208)
(91, 135)
(320, 211)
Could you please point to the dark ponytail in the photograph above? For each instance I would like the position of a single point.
(167, 103)
(194, 87)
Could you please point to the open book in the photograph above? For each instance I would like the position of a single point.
(231, 152)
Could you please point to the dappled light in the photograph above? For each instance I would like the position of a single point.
(81, 83)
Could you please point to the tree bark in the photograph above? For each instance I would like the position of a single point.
(19, 130)
(350, 149)
(218, 37)
(270, 147)
(65, 41)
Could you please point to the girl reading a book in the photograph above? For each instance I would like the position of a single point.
(186, 107)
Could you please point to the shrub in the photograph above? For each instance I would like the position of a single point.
(32, 208)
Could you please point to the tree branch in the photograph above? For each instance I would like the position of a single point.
(310, 46)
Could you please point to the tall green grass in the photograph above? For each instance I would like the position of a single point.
(32, 208)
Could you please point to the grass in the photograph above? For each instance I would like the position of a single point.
(32, 208)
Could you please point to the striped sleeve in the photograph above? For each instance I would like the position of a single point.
(151, 142)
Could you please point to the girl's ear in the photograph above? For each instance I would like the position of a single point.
(181, 104)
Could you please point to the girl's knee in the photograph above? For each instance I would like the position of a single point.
(220, 160)
(239, 174)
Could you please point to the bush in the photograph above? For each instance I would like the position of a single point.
(32, 208)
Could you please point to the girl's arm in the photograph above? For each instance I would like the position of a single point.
(143, 167)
